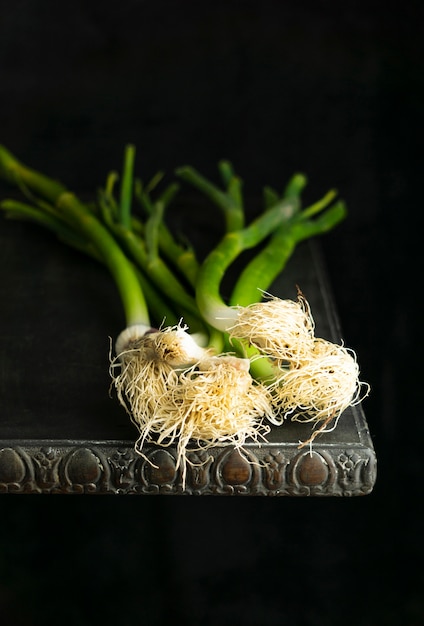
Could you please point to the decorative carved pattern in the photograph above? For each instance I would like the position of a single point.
(107, 469)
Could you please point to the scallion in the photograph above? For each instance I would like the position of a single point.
(212, 371)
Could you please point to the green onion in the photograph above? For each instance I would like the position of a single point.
(247, 359)
(126, 187)
(229, 201)
(268, 264)
(216, 264)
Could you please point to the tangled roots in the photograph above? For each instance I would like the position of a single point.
(213, 402)
(215, 405)
(281, 329)
(320, 388)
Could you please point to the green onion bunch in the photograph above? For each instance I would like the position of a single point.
(192, 368)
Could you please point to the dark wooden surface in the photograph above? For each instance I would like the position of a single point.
(59, 424)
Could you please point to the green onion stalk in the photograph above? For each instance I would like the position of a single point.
(310, 379)
(280, 227)
(176, 390)
(224, 381)
(156, 253)
(63, 212)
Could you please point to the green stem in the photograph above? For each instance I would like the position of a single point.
(15, 209)
(183, 258)
(234, 186)
(214, 267)
(142, 242)
(86, 224)
(295, 186)
(126, 279)
(320, 205)
(155, 269)
(160, 310)
(323, 224)
(127, 186)
(17, 174)
(264, 268)
(230, 202)
(151, 235)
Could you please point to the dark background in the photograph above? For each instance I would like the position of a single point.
(334, 89)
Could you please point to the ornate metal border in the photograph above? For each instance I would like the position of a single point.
(115, 468)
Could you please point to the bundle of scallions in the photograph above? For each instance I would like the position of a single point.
(192, 369)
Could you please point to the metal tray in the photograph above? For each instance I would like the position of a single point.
(62, 433)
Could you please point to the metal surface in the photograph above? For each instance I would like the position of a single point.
(61, 432)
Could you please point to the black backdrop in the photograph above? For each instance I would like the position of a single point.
(334, 89)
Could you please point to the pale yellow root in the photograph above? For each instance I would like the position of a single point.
(213, 402)
(219, 404)
(281, 329)
(320, 388)
(141, 382)
(148, 364)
